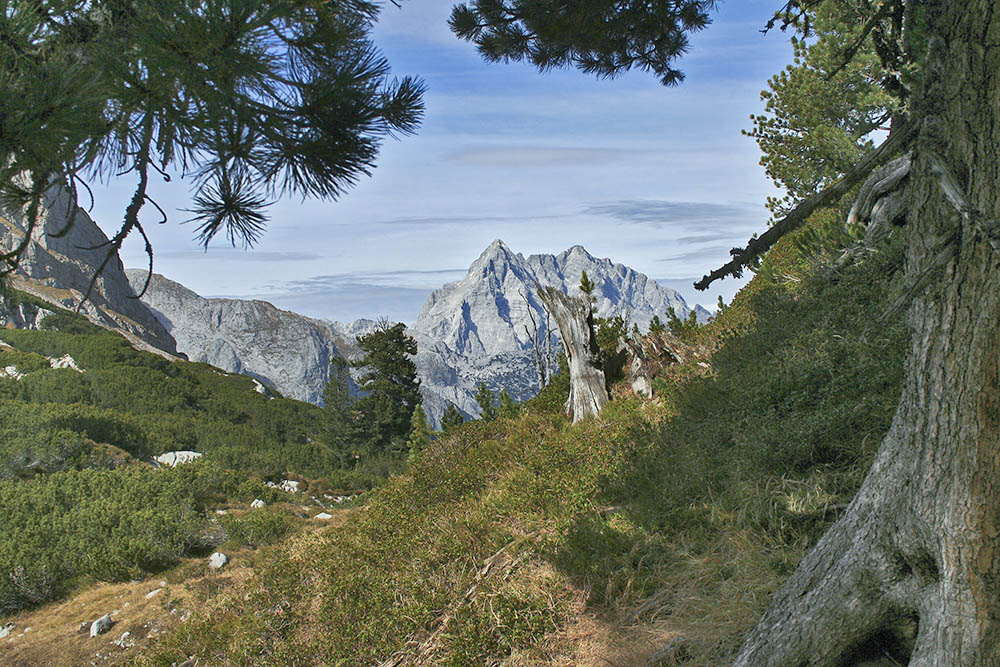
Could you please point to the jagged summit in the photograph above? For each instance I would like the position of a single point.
(480, 328)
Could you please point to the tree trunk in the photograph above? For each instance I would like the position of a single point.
(912, 569)
(573, 316)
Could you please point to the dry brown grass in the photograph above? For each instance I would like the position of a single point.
(189, 587)
(54, 638)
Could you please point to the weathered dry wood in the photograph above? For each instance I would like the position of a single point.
(639, 376)
(575, 319)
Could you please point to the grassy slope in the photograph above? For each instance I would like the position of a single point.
(530, 540)
(79, 502)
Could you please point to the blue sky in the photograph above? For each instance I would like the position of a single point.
(656, 178)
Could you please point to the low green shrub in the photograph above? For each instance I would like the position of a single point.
(110, 525)
(256, 527)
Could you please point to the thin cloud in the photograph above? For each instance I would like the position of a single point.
(241, 255)
(705, 254)
(658, 212)
(409, 279)
(540, 156)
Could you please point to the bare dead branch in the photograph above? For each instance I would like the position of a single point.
(900, 138)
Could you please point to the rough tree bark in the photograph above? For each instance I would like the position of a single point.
(912, 569)
(575, 320)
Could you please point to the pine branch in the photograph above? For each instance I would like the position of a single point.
(757, 246)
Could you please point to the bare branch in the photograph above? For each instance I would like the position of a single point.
(900, 138)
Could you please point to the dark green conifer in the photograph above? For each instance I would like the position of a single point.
(451, 419)
(390, 384)
(487, 403)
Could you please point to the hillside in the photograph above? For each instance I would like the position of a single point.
(284, 350)
(654, 532)
(86, 508)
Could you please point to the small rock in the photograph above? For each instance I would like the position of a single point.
(27, 630)
(6, 630)
(674, 653)
(218, 560)
(84, 628)
(153, 593)
(257, 503)
(101, 625)
(125, 641)
(65, 361)
(190, 662)
(324, 515)
(222, 512)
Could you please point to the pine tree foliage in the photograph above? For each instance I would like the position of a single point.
(507, 406)
(451, 419)
(390, 384)
(587, 286)
(598, 37)
(340, 416)
(487, 402)
(420, 433)
(820, 111)
(249, 99)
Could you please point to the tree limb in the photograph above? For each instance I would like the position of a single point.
(757, 246)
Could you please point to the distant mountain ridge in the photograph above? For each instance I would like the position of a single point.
(478, 329)
(285, 350)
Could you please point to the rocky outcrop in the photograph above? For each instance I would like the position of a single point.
(284, 350)
(174, 459)
(58, 269)
(482, 328)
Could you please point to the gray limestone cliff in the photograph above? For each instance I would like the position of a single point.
(285, 350)
(480, 328)
(58, 269)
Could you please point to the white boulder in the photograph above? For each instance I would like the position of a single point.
(65, 361)
(286, 485)
(324, 515)
(257, 503)
(125, 641)
(6, 630)
(218, 560)
(101, 625)
(172, 459)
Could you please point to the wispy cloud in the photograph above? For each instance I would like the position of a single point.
(239, 255)
(540, 156)
(349, 302)
(409, 279)
(699, 254)
(463, 219)
(659, 212)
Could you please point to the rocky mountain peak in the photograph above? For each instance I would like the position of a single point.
(58, 266)
(480, 328)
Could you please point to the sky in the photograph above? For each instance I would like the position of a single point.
(659, 179)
